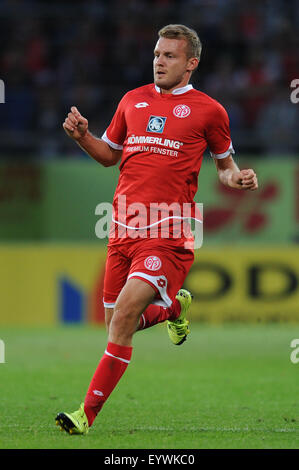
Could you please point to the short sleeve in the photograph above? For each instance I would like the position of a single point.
(218, 133)
(116, 132)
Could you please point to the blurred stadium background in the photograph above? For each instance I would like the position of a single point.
(57, 54)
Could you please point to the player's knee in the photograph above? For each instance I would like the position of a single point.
(125, 318)
(124, 315)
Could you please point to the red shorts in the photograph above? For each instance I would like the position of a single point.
(161, 264)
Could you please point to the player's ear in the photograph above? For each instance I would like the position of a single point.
(192, 64)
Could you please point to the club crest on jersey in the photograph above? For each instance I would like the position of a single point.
(156, 124)
(181, 111)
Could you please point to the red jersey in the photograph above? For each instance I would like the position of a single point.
(163, 138)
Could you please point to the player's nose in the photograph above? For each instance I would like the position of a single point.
(160, 62)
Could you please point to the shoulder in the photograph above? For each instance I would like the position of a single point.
(140, 91)
(139, 94)
(211, 108)
(208, 101)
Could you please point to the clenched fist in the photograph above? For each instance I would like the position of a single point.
(75, 125)
(245, 179)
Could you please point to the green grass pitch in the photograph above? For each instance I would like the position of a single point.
(228, 387)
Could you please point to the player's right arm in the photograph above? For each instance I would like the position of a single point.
(76, 127)
(221, 149)
(230, 175)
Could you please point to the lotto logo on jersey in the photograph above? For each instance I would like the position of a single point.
(153, 263)
(181, 111)
(156, 124)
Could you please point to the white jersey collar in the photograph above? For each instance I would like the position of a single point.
(177, 91)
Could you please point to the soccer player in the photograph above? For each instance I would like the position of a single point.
(158, 134)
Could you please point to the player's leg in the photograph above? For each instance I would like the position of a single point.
(116, 272)
(175, 315)
(132, 301)
(108, 317)
(155, 314)
(151, 316)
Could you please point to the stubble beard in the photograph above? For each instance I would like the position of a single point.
(169, 85)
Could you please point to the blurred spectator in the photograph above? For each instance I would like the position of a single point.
(58, 54)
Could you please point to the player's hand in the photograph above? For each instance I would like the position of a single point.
(245, 179)
(75, 125)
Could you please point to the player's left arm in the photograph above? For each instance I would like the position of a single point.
(230, 175)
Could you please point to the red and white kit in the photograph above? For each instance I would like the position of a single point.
(163, 138)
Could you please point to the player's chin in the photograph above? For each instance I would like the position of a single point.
(161, 80)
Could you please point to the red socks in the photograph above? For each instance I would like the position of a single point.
(116, 359)
(108, 373)
(155, 314)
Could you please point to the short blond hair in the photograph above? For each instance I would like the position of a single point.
(180, 31)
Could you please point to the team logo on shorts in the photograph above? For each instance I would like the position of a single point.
(156, 124)
(181, 111)
(153, 263)
(161, 283)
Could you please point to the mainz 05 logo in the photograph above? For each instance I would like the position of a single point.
(181, 111)
(2, 92)
(153, 263)
(156, 124)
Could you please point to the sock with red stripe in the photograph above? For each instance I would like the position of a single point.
(107, 375)
(155, 314)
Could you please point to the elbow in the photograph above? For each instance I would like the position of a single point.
(108, 163)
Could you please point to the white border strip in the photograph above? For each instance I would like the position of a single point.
(107, 305)
(224, 154)
(177, 91)
(110, 143)
(166, 301)
(155, 223)
(115, 357)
